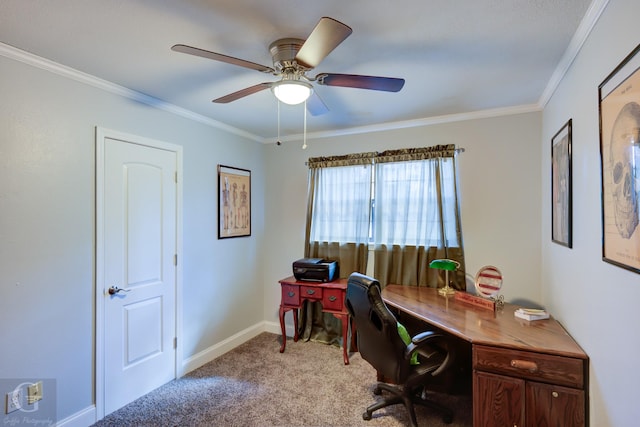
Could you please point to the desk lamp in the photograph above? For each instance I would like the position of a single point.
(447, 265)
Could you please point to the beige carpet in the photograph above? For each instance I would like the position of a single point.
(256, 385)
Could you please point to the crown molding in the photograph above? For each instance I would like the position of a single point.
(428, 121)
(16, 54)
(88, 79)
(579, 37)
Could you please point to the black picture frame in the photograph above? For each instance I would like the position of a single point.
(619, 116)
(562, 186)
(234, 202)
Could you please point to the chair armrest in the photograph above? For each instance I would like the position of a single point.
(423, 336)
(423, 344)
(429, 344)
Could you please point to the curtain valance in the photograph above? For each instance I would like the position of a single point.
(421, 153)
(367, 158)
(346, 160)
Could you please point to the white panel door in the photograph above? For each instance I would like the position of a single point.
(139, 270)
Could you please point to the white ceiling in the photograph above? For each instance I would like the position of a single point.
(457, 56)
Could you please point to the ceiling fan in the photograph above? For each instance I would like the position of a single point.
(292, 59)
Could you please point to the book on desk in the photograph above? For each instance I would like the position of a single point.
(531, 314)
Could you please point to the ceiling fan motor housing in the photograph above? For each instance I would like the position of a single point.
(283, 53)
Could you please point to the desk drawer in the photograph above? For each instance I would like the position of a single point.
(311, 292)
(290, 295)
(332, 299)
(549, 368)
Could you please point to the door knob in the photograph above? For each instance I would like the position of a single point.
(114, 290)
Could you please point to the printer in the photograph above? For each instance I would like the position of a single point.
(315, 270)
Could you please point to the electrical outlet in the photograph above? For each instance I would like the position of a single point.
(34, 393)
(14, 400)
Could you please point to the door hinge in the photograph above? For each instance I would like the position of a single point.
(175, 259)
(175, 177)
(175, 342)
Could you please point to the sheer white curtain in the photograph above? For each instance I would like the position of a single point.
(341, 204)
(415, 203)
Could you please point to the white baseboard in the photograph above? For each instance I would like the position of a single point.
(87, 416)
(83, 418)
(217, 350)
(274, 328)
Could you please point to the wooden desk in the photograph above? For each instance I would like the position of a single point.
(331, 295)
(524, 373)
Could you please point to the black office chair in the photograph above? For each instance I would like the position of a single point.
(380, 344)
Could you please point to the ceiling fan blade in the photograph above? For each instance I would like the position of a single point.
(242, 93)
(220, 57)
(325, 37)
(315, 105)
(388, 84)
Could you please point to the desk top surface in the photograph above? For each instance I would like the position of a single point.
(482, 326)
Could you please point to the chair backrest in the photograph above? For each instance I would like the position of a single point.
(378, 340)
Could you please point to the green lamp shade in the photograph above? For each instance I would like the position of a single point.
(444, 264)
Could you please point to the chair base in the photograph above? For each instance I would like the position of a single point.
(409, 399)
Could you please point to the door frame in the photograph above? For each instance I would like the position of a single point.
(100, 287)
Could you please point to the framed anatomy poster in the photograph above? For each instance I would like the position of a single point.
(234, 202)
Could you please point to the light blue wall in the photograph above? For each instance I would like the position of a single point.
(47, 227)
(596, 301)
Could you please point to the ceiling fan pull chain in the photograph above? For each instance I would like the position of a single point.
(278, 141)
(304, 130)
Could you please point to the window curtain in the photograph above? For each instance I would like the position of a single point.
(417, 216)
(338, 222)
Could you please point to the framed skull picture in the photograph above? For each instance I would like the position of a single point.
(619, 99)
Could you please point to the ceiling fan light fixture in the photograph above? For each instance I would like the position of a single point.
(292, 92)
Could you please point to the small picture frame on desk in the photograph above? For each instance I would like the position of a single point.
(561, 187)
(234, 202)
(619, 108)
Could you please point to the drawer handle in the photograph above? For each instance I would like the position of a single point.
(291, 294)
(555, 394)
(332, 298)
(525, 365)
(310, 291)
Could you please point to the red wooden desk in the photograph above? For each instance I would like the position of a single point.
(331, 295)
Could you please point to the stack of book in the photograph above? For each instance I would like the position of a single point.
(531, 314)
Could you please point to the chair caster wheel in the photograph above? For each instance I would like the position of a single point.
(377, 391)
(366, 416)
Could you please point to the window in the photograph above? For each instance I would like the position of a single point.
(387, 202)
